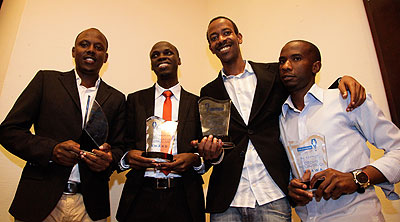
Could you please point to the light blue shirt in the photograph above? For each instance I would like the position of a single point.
(345, 134)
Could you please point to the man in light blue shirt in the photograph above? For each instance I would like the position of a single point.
(347, 189)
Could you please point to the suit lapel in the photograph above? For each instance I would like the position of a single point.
(102, 93)
(183, 111)
(68, 80)
(265, 81)
(148, 100)
(183, 106)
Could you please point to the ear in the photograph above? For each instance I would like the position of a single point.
(73, 52)
(106, 58)
(209, 47)
(179, 61)
(316, 66)
(240, 37)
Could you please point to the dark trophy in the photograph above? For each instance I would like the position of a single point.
(95, 131)
(160, 137)
(309, 154)
(214, 117)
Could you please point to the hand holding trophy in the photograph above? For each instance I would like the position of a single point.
(308, 154)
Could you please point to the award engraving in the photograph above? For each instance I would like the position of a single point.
(214, 117)
(160, 137)
(95, 130)
(309, 154)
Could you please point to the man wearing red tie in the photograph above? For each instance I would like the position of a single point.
(170, 191)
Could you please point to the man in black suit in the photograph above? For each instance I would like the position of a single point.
(149, 194)
(249, 182)
(59, 175)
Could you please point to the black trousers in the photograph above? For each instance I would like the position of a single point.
(160, 205)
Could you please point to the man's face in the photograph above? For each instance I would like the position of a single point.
(223, 42)
(90, 52)
(297, 67)
(164, 60)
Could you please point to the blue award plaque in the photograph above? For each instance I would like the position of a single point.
(308, 154)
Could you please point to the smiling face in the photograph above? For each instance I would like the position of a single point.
(165, 60)
(223, 41)
(299, 62)
(90, 52)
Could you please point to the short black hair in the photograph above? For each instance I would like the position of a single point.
(76, 39)
(174, 47)
(313, 49)
(235, 28)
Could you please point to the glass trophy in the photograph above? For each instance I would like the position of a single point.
(214, 117)
(95, 130)
(160, 137)
(309, 154)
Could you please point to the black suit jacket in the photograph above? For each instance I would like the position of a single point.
(262, 130)
(140, 106)
(51, 103)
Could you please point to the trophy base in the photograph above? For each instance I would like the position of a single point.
(316, 185)
(159, 156)
(228, 145)
(226, 140)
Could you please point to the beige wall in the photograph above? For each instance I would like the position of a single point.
(39, 35)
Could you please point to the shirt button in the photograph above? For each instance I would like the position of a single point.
(251, 132)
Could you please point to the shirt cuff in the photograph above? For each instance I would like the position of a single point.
(202, 168)
(220, 159)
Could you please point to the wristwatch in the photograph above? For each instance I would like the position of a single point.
(361, 179)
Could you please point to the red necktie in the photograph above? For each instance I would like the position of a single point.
(167, 113)
(167, 108)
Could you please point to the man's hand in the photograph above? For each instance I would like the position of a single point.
(66, 153)
(298, 192)
(100, 159)
(135, 159)
(181, 162)
(335, 184)
(357, 92)
(209, 148)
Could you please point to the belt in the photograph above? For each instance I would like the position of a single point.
(162, 183)
(72, 188)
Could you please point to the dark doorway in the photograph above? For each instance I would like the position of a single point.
(384, 21)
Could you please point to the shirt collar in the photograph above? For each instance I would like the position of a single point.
(176, 91)
(248, 70)
(315, 93)
(79, 81)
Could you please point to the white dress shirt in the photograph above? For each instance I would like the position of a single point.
(345, 134)
(86, 97)
(256, 185)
